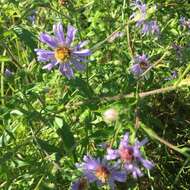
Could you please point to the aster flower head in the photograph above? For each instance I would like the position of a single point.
(140, 15)
(174, 75)
(63, 53)
(178, 49)
(184, 22)
(101, 172)
(148, 27)
(8, 73)
(130, 156)
(32, 16)
(141, 64)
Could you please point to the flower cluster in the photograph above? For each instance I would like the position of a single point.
(63, 54)
(140, 16)
(130, 156)
(106, 172)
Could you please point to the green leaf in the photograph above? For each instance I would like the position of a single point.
(16, 112)
(26, 36)
(67, 137)
(59, 122)
(4, 59)
(6, 157)
(83, 87)
(46, 146)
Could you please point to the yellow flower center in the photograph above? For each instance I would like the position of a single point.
(62, 54)
(126, 154)
(102, 173)
(143, 65)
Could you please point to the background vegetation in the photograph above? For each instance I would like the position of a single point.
(47, 122)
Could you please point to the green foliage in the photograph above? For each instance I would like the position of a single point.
(48, 123)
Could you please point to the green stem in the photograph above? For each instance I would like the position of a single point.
(153, 135)
(157, 62)
(129, 42)
(183, 75)
(2, 80)
(104, 99)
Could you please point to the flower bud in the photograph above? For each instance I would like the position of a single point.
(110, 115)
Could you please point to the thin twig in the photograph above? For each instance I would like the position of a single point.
(124, 96)
(156, 63)
(129, 42)
(183, 75)
(153, 135)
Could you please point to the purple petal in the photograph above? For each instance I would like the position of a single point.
(78, 65)
(143, 58)
(131, 168)
(91, 164)
(136, 69)
(124, 142)
(90, 176)
(136, 152)
(84, 52)
(155, 27)
(82, 44)
(111, 184)
(75, 185)
(66, 70)
(49, 66)
(146, 163)
(112, 154)
(71, 31)
(119, 176)
(137, 173)
(142, 143)
(126, 138)
(139, 23)
(44, 55)
(58, 31)
(146, 28)
(50, 41)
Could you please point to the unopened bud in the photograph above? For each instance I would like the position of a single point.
(110, 115)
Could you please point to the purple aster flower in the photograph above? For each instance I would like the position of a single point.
(130, 156)
(147, 27)
(185, 22)
(80, 184)
(32, 17)
(8, 73)
(178, 49)
(141, 64)
(101, 172)
(154, 28)
(63, 54)
(150, 27)
(173, 76)
(141, 11)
